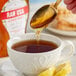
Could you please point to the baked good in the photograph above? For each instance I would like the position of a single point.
(66, 20)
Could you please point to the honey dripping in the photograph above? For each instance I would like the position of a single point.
(38, 32)
(43, 17)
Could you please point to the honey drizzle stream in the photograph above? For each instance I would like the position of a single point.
(37, 33)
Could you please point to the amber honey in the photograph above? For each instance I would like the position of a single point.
(3, 34)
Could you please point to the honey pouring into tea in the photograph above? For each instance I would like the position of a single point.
(43, 17)
(39, 21)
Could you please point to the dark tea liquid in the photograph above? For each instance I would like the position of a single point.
(32, 46)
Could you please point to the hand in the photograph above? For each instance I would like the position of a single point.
(71, 5)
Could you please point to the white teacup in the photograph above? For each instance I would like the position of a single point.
(34, 63)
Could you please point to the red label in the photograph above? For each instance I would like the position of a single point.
(14, 13)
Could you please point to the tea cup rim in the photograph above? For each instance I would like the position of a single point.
(60, 46)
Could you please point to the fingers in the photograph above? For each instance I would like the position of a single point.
(68, 1)
(71, 5)
(74, 10)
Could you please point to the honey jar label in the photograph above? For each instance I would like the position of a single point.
(14, 17)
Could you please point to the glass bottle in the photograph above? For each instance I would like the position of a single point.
(3, 34)
(13, 19)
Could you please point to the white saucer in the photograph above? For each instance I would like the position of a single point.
(64, 33)
(52, 28)
(8, 69)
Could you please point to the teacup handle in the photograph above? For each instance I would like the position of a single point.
(69, 46)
